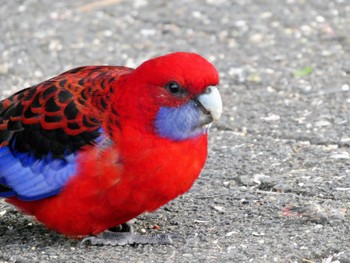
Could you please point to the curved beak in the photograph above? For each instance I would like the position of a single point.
(211, 102)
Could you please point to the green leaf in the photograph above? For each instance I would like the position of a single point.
(303, 72)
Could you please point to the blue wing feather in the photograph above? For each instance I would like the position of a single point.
(31, 178)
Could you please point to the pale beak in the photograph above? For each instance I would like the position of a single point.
(211, 102)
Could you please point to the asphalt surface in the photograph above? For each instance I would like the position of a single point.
(276, 187)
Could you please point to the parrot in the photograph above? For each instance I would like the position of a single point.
(96, 146)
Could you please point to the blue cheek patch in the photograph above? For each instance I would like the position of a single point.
(179, 123)
(31, 178)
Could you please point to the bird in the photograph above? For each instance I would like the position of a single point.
(96, 146)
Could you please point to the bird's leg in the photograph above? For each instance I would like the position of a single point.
(126, 227)
(124, 235)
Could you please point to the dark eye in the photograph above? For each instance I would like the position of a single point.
(174, 88)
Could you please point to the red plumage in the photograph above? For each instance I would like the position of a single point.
(104, 194)
(136, 170)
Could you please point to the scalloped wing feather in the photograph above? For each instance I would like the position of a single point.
(43, 128)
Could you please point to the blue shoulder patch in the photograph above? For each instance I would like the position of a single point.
(179, 123)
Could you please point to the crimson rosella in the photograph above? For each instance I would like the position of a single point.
(96, 146)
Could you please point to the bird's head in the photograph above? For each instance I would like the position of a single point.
(173, 96)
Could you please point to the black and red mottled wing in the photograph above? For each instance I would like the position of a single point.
(59, 115)
(43, 127)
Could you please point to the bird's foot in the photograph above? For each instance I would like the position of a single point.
(114, 237)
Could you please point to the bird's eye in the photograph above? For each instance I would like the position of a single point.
(174, 88)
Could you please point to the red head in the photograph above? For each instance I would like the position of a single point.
(162, 95)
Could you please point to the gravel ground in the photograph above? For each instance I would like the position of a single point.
(276, 187)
